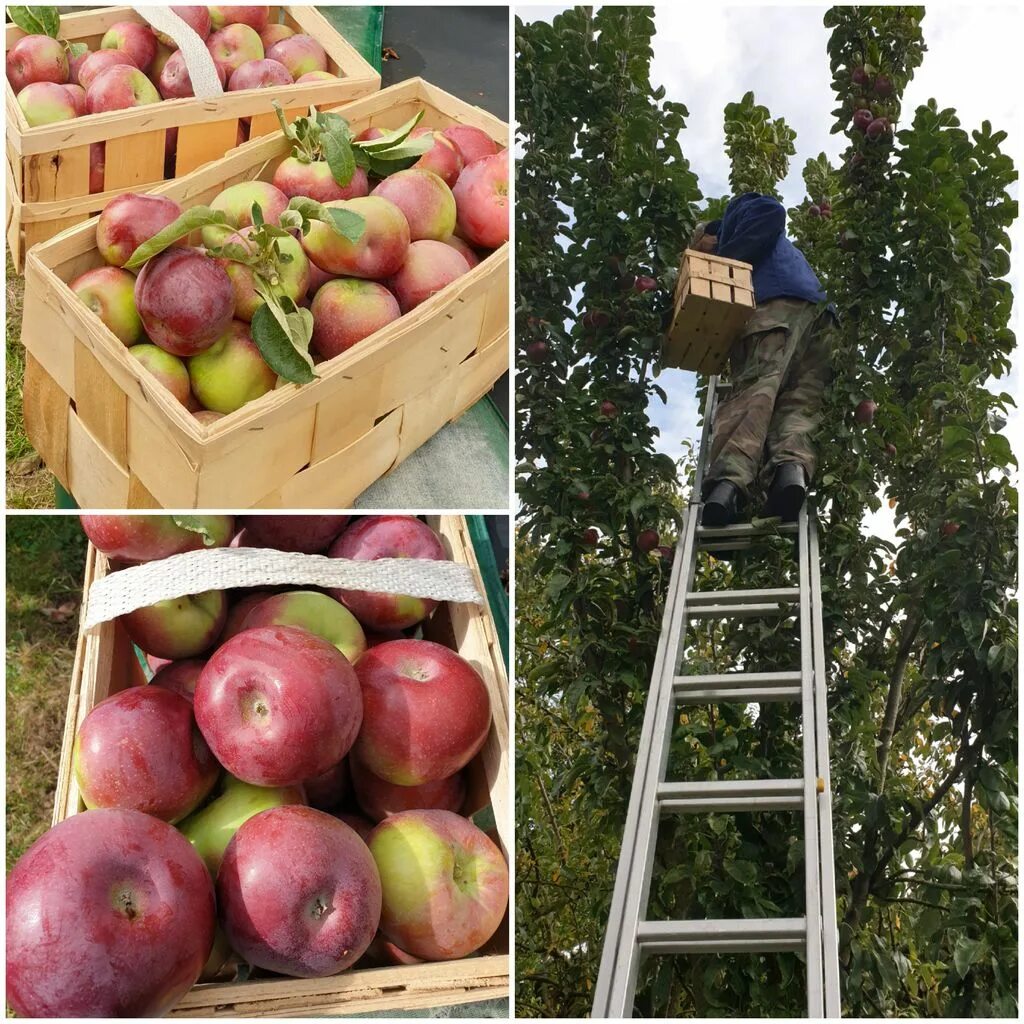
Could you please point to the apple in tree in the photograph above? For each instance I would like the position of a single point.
(299, 53)
(46, 103)
(537, 352)
(180, 627)
(138, 41)
(378, 798)
(387, 537)
(313, 611)
(103, 888)
(426, 712)
(210, 828)
(878, 127)
(647, 540)
(865, 411)
(472, 143)
(883, 86)
(950, 529)
(93, 64)
(346, 311)
(143, 538)
(110, 293)
(140, 749)
(278, 705)
(644, 284)
(862, 118)
(311, 535)
(37, 58)
(169, 370)
(590, 537)
(444, 883)
(179, 677)
(129, 220)
(233, 45)
(608, 409)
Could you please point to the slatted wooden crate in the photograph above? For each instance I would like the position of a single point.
(115, 438)
(105, 662)
(48, 166)
(714, 299)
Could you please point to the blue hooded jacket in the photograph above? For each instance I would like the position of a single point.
(753, 229)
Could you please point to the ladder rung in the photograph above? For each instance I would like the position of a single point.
(743, 935)
(739, 695)
(731, 795)
(784, 595)
(737, 688)
(739, 531)
(740, 611)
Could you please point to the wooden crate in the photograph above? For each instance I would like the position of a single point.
(115, 438)
(106, 662)
(48, 166)
(714, 299)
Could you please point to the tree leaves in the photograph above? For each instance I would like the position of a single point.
(43, 21)
(191, 220)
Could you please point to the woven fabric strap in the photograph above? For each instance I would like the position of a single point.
(226, 568)
(200, 64)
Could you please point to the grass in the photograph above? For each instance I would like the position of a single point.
(29, 484)
(45, 564)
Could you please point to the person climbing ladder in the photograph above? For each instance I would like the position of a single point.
(780, 366)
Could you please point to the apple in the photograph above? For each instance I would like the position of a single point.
(311, 535)
(255, 17)
(443, 158)
(360, 825)
(382, 953)
(179, 677)
(814, 210)
(140, 749)
(890, 450)
(481, 197)
(37, 58)
(444, 883)
(197, 18)
(300, 54)
(647, 540)
(138, 41)
(865, 411)
(429, 267)
(380, 251)
(184, 328)
(590, 537)
(370, 134)
(278, 705)
(378, 798)
(77, 96)
(239, 610)
(233, 45)
(467, 252)
(179, 627)
(608, 409)
(274, 33)
(537, 352)
(426, 712)
(97, 167)
(317, 279)
(129, 220)
(862, 118)
(236, 203)
(210, 829)
(949, 529)
(145, 538)
(878, 127)
(348, 310)
(46, 103)
(387, 537)
(860, 77)
(424, 198)
(109, 914)
(174, 81)
(75, 63)
(291, 274)
(329, 789)
(315, 612)
(231, 372)
(883, 86)
(595, 320)
(471, 142)
(313, 179)
(120, 88)
(644, 284)
(94, 64)
(259, 74)
(168, 369)
(298, 893)
(218, 958)
(316, 76)
(110, 293)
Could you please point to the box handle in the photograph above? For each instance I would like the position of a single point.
(200, 64)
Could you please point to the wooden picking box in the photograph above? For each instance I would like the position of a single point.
(714, 299)
(48, 165)
(106, 662)
(115, 438)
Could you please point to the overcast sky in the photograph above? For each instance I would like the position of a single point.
(709, 55)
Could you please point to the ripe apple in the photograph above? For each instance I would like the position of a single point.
(278, 705)
(46, 103)
(233, 45)
(370, 134)
(424, 198)
(814, 210)
(300, 54)
(429, 266)
(311, 535)
(443, 158)
(647, 540)
(644, 284)
(313, 179)
(315, 76)
(129, 220)
(315, 612)
(274, 33)
(259, 74)
(75, 63)
(138, 41)
(236, 203)
(379, 798)
(298, 893)
(890, 450)
(197, 18)
(426, 712)
(380, 251)
(255, 17)
(444, 883)
(949, 529)
(37, 58)
(859, 77)
(210, 828)
(317, 279)
(120, 88)
(608, 409)
(140, 749)
(239, 610)
(865, 411)
(590, 537)
(387, 537)
(231, 372)
(329, 789)
(110, 293)
(537, 352)
(468, 253)
(105, 888)
(174, 80)
(184, 328)
(144, 538)
(878, 127)
(168, 369)
(862, 118)
(180, 627)
(481, 196)
(472, 143)
(77, 96)
(883, 86)
(348, 310)
(94, 64)
(179, 677)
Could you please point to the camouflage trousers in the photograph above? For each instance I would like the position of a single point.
(780, 367)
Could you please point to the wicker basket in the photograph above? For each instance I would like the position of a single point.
(48, 166)
(115, 438)
(105, 662)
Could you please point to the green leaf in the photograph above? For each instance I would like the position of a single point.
(257, 214)
(392, 138)
(742, 870)
(77, 49)
(967, 952)
(36, 21)
(273, 332)
(189, 221)
(484, 819)
(348, 224)
(197, 524)
(340, 158)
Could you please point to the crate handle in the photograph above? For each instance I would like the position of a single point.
(200, 64)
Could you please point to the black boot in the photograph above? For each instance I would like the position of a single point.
(721, 506)
(787, 492)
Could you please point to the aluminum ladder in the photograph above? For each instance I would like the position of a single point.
(629, 936)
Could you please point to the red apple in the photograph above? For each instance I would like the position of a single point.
(387, 537)
(174, 80)
(360, 825)
(949, 529)
(144, 538)
(274, 33)
(232, 46)
(278, 705)
(300, 54)
(348, 310)
(179, 677)
(77, 96)
(314, 180)
(197, 18)
(424, 198)
(443, 158)
(94, 64)
(180, 627)
(865, 411)
(537, 352)
(109, 914)
(75, 63)
(97, 167)
(259, 74)
(291, 269)
(140, 749)
(426, 712)
(472, 143)
(36, 58)
(481, 196)
(298, 893)
(138, 41)
(429, 267)
(379, 798)
(120, 88)
(329, 789)
(379, 252)
(239, 610)
(467, 252)
(129, 220)
(236, 203)
(444, 883)
(255, 17)
(647, 540)
(311, 535)
(110, 293)
(313, 611)
(862, 118)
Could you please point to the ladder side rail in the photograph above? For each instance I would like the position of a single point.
(830, 926)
